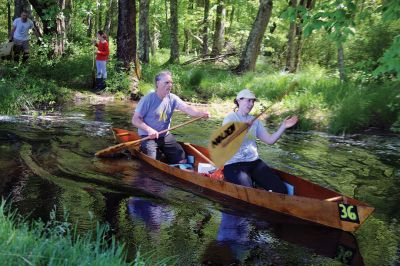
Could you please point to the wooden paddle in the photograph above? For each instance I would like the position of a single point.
(125, 145)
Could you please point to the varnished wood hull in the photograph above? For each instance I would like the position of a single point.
(310, 201)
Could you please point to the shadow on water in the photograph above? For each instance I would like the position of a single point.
(47, 163)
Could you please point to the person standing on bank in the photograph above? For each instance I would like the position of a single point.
(20, 36)
(245, 167)
(102, 54)
(153, 114)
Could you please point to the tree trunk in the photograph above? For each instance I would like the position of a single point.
(49, 22)
(155, 40)
(110, 14)
(218, 42)
(231, 16)
(61, 34)
(90, 25)
(174, 55)
(308, 4)
(204, 47)
(250, 53)
(186, 45)
(9, 17)
(291, 44)
(295, 37)
(342, 74)
(100, 15)
(166, 12)
(126, 37)
(68, 13)
(144, 35)
(299, 46)
(54, 25)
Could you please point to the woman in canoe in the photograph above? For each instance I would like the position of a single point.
(245, 167)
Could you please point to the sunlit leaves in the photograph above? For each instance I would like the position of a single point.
(390, 61)
(336, 17)
(391, 10)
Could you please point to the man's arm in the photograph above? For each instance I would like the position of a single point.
(184, 107)
(137, 121)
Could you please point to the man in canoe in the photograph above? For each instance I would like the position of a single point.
(153, 114)
(245, 167)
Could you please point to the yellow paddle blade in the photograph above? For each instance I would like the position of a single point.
(226, 141)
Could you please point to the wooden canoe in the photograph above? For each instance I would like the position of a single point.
(310, 201)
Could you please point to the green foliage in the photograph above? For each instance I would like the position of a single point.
(390, 61)
(391, 10)
(336, 17)
(118, 80)
(359, 107)
(350, 114)
(54, 243)
(320, 99)
(195, 83)
(369, 44)
(377, 238)
(396, 125)
(58, 243)
(20, 91)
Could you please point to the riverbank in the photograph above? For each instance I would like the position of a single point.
(33, 242)
(322, 102)
(54, 243)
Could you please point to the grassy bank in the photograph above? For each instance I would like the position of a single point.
(317, 95)
(54, 243)
(57, 243)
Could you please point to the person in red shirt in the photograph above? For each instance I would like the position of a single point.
(101, 59)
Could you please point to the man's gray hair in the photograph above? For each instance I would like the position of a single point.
(161, 74)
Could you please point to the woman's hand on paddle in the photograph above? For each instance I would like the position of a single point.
(290, 121)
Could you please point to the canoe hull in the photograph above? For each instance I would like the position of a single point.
(310, 201)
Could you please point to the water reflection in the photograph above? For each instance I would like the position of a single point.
(151, 214)
(243, 240)
(232, 241)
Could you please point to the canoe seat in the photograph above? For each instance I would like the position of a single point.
(183, 166)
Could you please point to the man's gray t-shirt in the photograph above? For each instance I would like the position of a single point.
(22, 29)
(248, 150)
(157, 112)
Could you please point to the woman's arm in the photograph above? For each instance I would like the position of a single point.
(272, 138)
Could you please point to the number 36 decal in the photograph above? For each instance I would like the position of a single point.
(348, 213)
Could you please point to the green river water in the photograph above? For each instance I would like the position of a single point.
(47, 162)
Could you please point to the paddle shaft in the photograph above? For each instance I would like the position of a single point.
(199, 153)
(122, 146)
